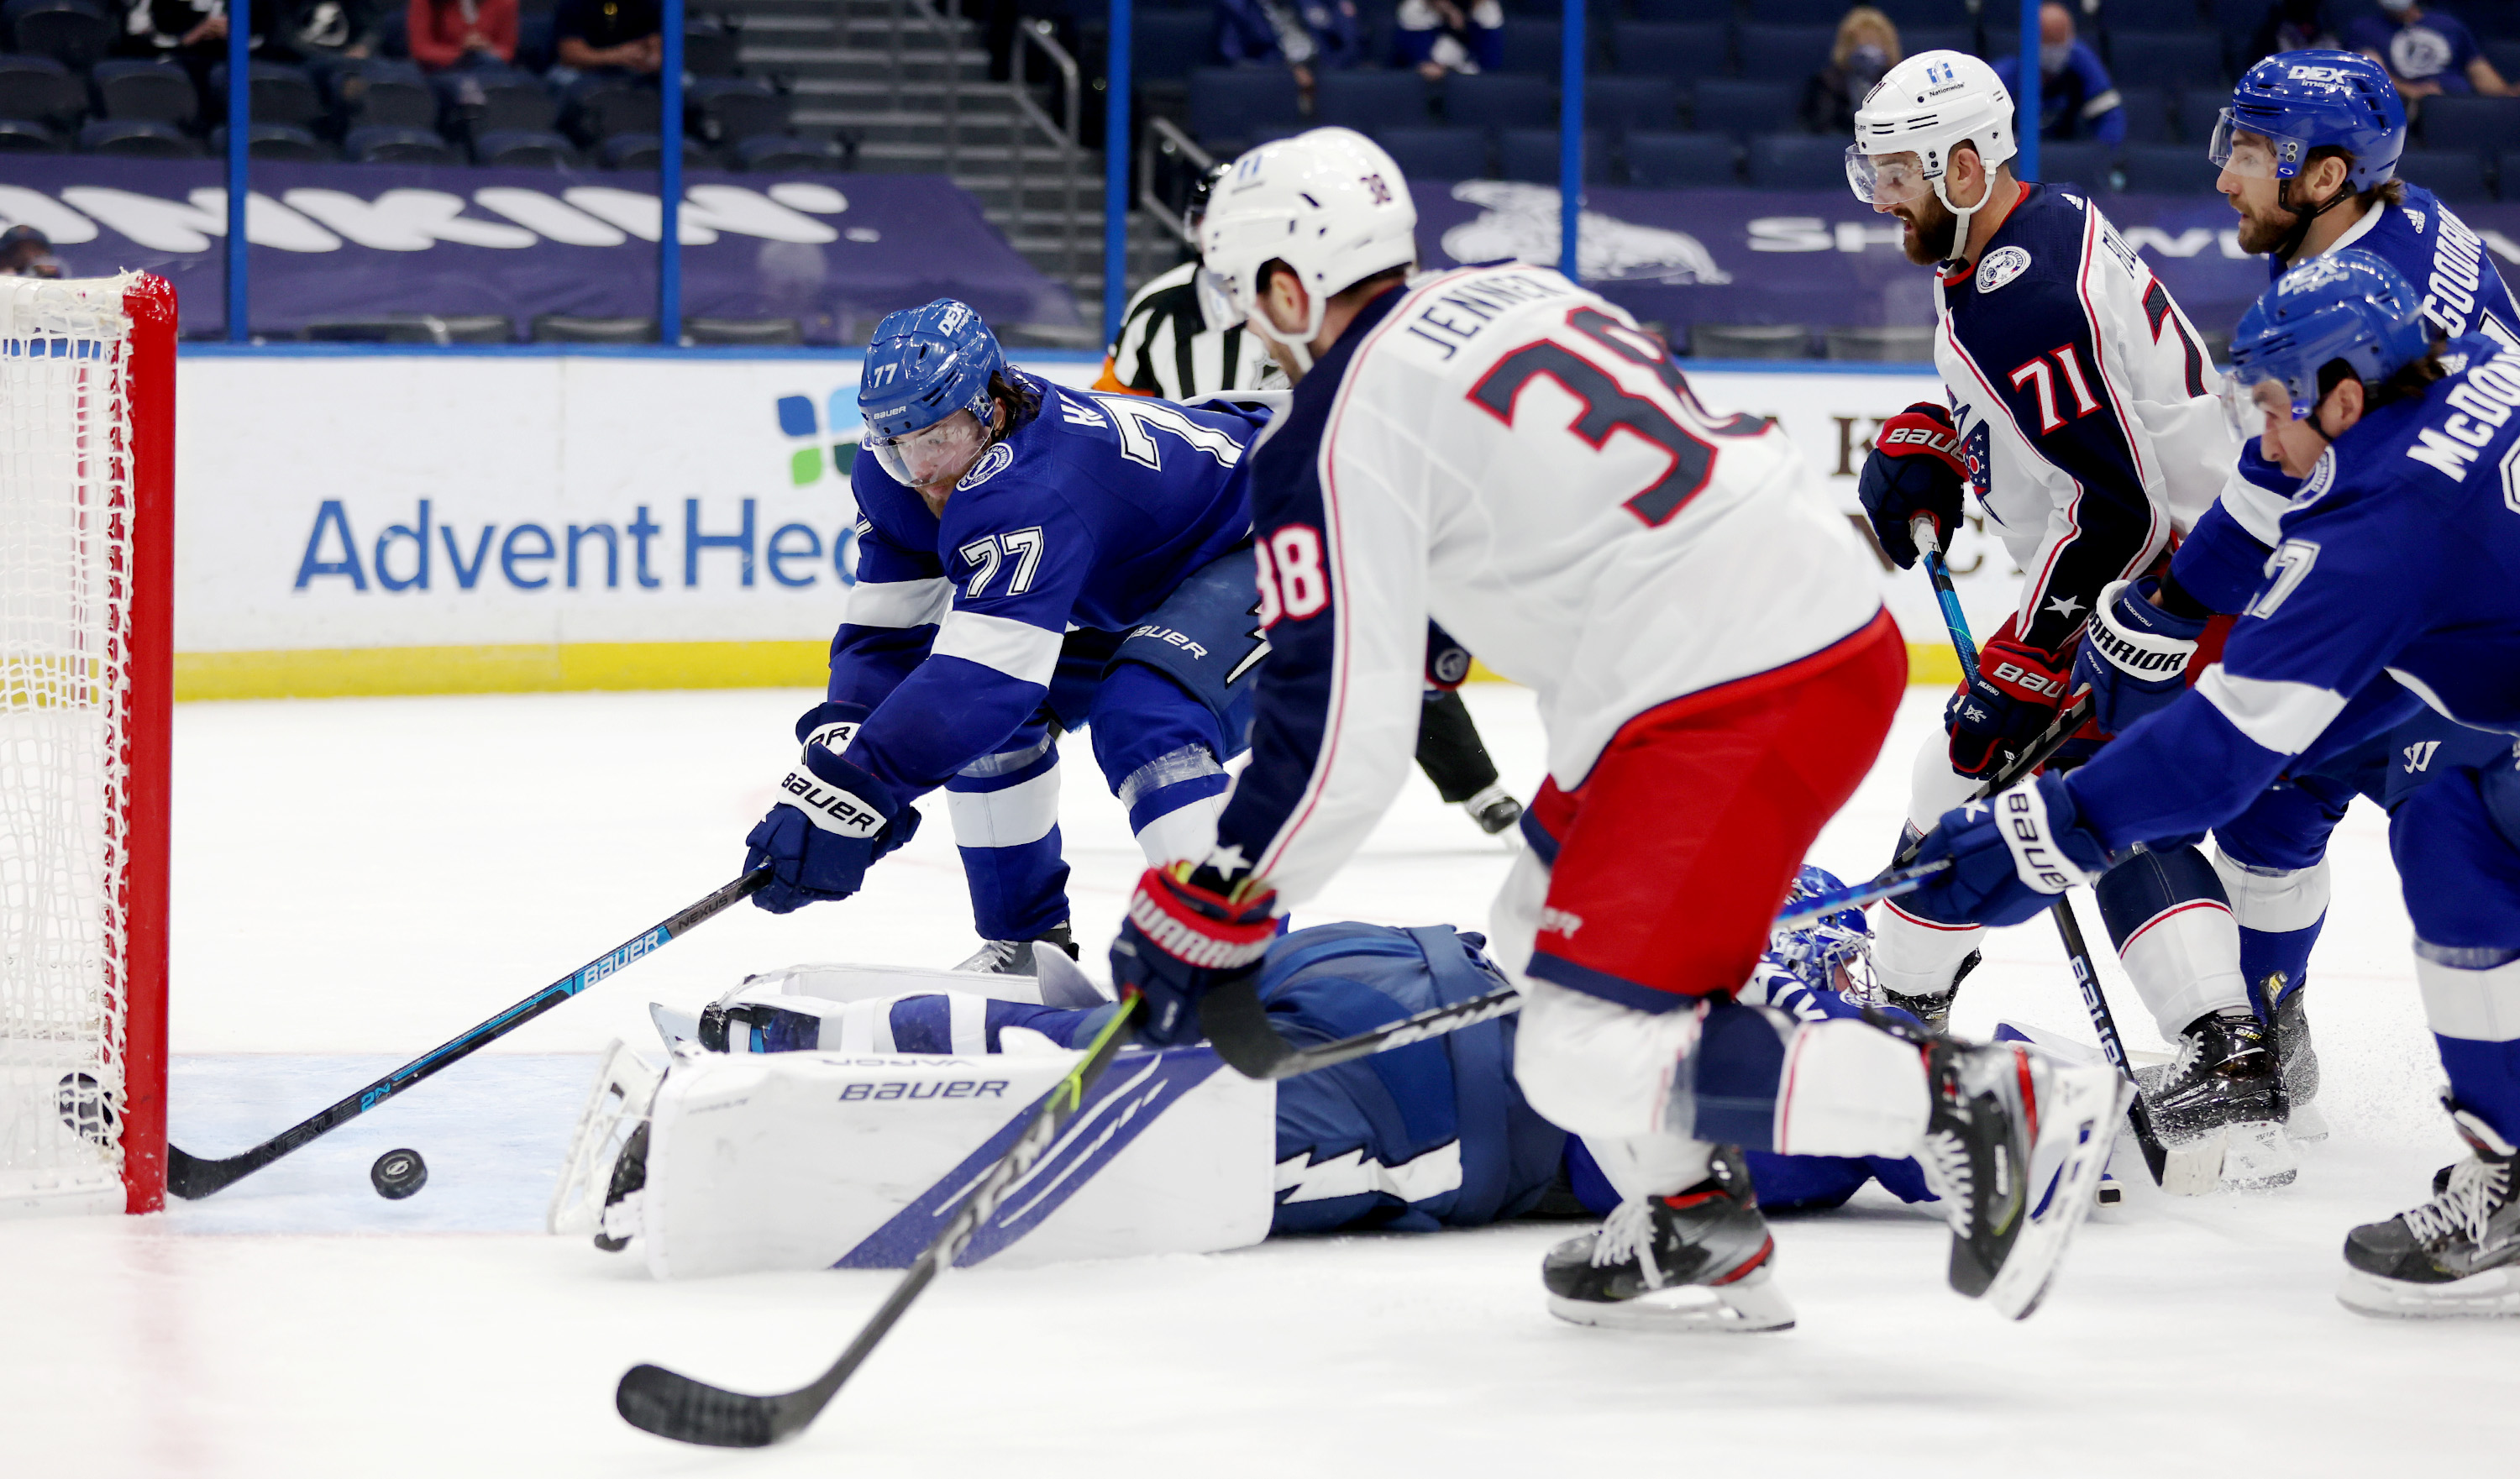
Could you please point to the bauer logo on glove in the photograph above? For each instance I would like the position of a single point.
(830, 809)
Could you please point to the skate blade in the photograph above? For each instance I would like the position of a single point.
(2085, 1117)
(2192, 1167)
(2493, 1295)
(2257, 1157)
(1742, 1307)
(2305, 1125)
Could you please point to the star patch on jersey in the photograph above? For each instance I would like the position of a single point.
(2002, 266)
(992, 462)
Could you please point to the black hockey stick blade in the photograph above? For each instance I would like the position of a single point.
(673, 1406)
(193, 1177)
(2156, 1156)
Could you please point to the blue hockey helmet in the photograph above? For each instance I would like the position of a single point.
(1817, 949)
(2304, 99)
(2348, 305)
(924, 365)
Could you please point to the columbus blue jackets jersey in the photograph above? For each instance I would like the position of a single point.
(1086, 516)
(2085, 406)
(2397, 580)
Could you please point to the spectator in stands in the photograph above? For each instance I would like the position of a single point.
(2076, 98)
(447, 34)
(1305, 36)
(1868, 45)
(1439, 36)
(607, 35)
(320, 33)
(25, 252)
(2426, 50)
(193, 33)
(2290, 26)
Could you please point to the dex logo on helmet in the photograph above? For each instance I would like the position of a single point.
(2315, 74)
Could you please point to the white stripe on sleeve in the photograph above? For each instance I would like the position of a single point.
(899, 602)
(2283, 717)
(1019, 650)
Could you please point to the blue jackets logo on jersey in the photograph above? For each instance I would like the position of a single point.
(2002, 266)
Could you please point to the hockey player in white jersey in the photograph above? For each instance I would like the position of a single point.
(1509, 454)
(2082, 415)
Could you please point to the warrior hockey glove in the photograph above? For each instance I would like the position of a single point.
(1914, 469)
(2014, 693)
(2011, 855)
(1181, 941)
(2135, 656)
(834, 822)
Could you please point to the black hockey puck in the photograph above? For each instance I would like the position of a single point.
(85, 1107)
(398, 1174)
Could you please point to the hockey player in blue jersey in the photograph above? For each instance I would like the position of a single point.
(2308, 151)
(2395, 584)
(1031, 560)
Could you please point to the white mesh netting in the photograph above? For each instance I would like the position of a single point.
(65, 630)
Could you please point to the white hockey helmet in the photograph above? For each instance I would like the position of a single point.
(1328, 203)
(1928, 106)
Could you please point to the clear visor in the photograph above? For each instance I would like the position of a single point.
(1884, 179)
(2237, 152)
(1215, 302)
(931, 457)
(2246, 406)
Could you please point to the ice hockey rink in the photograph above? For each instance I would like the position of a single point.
(356, 880)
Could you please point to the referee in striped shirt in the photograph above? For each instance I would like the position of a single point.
(1170, 347)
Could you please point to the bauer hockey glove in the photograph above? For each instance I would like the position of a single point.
(1914, 469)
(2014, 693)
(2135, 656)
(836, 819)
(1183, 939)
(2011, 855)
(830, 725)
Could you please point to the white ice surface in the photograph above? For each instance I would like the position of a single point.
(358, 880)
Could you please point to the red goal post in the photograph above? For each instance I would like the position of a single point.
(87, 572)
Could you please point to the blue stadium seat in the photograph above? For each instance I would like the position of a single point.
(379, 93)
(2081, 163)
(74, 32)
(1741, 107)
(389, 144)
(2148, 118)
(2456, 175)
(1801, 13)
(27, 136)
(1370, 102)
(1530, 154)
(2166, 59)
(1497, 99)
(1170, 43)
(1684, 52)
(138, 139)
(2505, 57)
(484, 100)
(2488, 125)
(40, 90)
(1623, 105)
(1925, 38)
(159, 90)
(287, 142)
(785, 153)
(1437, 154)
(1797, 161)
(1661, 12)
(1229, 105)
(1534, 45)
(274, 94)
(722, 110)
(1903, 14)
(1683, 161)
(524, 148)
(2178, 169)
(2151, 15)
(1785, 53)
(647, 150)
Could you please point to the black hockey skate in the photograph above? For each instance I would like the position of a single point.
(2457, 1254)
(1016, 956)
(1933, 1007)
(2225, 1087)
(2296, 1061)
(1694, 1260)
(629, 1179)
(1495, 809)
(2014, 1148)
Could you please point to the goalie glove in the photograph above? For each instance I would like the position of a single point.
(2014, 693)
(1914, 468)
(2135, 656)
(1181, 940)
(833, 822)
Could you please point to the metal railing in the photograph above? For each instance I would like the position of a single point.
(1065, 139)
(1166, 143)
(949, 33)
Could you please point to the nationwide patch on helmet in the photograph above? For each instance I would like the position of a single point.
(992, 462)
(2002, 266)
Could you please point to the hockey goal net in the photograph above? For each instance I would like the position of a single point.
(87, 390)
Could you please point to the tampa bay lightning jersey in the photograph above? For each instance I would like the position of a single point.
(2397, 579)
(1086, 516)
(2463, 293)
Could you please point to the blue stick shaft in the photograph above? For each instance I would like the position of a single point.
(1939, 571)
(1888, 885)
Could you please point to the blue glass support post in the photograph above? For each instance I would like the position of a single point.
(240, 126)
(669, 181)
(2025, 164)
(1570, 142)
(1115, 169)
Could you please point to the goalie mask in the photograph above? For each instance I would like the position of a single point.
(1833, 951)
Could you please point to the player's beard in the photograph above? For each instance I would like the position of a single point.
(1932, 231)
(2260, 234)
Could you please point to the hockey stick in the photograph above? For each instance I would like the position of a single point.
(2156, 1156)
(673, 1406)
(1237, 1024)
(193, 1178)
(1939, 571)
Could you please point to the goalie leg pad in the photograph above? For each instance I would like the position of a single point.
(625, 1087)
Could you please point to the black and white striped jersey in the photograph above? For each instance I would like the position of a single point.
(1166, 349)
